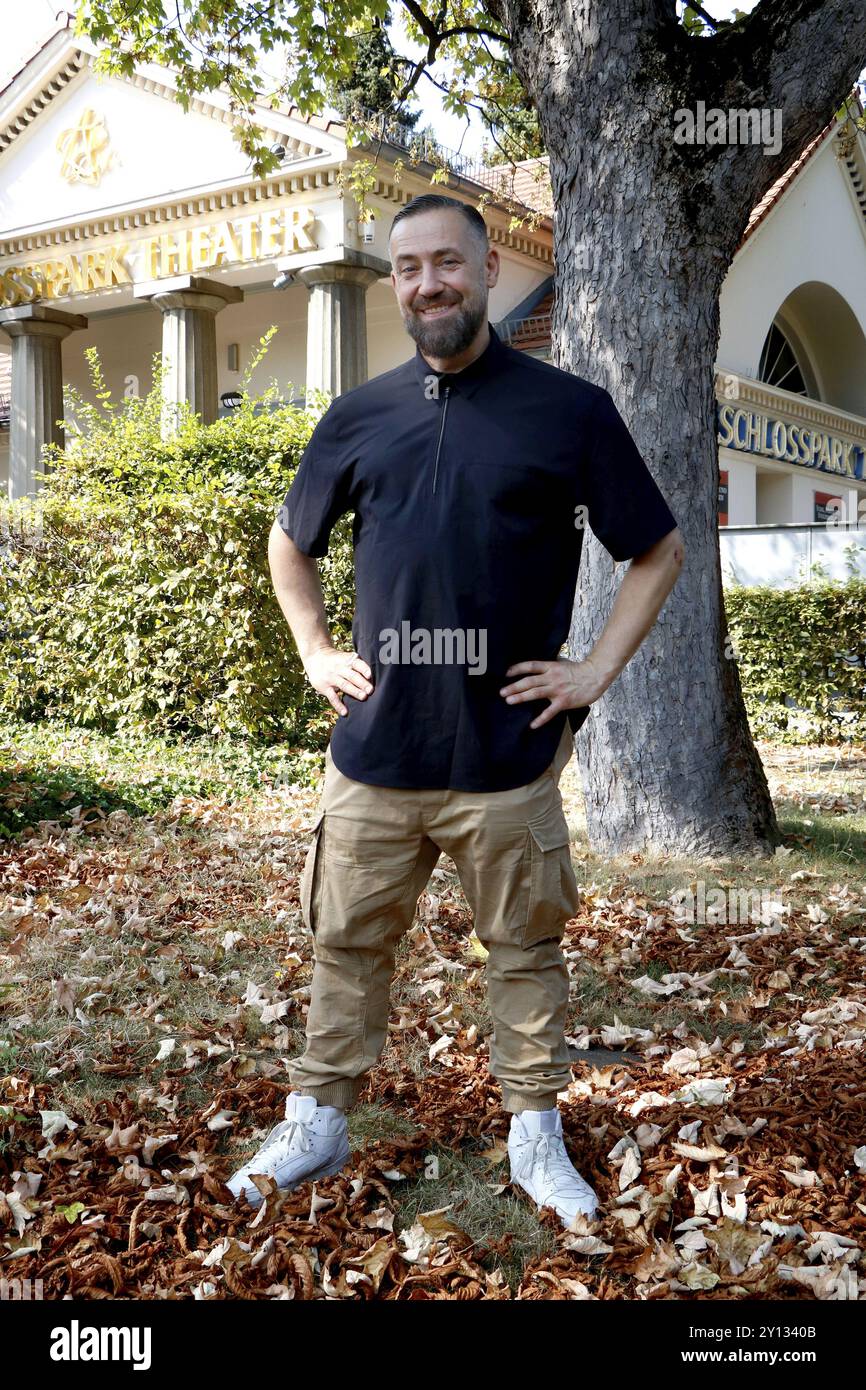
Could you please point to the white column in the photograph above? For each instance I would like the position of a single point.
(189, 305)
(337, 320)
(36, 412)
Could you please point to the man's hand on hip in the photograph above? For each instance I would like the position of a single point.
(331, 672)
(567, 684)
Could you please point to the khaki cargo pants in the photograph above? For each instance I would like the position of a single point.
(373, 851)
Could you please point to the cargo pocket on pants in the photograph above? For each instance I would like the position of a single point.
(308, 874)
(553, 892)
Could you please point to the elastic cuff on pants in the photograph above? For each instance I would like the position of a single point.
(515, 1101)
(340, 1093)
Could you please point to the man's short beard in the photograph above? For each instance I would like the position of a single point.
(450, 336)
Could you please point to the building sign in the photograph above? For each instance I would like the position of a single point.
(261, 236)
(723, 497)
(828, 507)
(754, 433)
(84, 150)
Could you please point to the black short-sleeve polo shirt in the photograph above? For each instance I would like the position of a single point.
(470, 492)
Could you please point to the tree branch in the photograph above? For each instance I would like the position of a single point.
(769, 64)
(707, 18)
(436, 36)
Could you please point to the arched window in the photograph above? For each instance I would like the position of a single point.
(779, 365)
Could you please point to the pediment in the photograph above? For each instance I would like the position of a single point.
(87, 144)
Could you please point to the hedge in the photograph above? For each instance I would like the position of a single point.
(142, 598)
(802, 659)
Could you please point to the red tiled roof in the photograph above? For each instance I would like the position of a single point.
(533, 332)
(528, 181)
(774, 193)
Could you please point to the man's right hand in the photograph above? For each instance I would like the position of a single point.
(331, 671)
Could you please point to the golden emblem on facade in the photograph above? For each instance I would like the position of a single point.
(84, 148)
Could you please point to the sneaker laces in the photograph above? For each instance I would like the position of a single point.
(556, 1165)
(279, 1144)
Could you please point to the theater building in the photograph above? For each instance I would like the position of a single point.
(132, 226)
(129, 225)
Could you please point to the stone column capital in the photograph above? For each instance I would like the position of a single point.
(337, 318)
(189, 292)
(189, 305)
(340, 273)
(39, 320)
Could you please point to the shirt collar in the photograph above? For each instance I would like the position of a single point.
(487, 364)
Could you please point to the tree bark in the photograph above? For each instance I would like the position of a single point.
(644, 232)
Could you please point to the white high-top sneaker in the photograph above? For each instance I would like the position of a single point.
(542, 1167)
(311, 1142)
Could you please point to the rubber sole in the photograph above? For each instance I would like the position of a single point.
(539, 1206)
(254, 1197)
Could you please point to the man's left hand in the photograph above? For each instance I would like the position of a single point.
(567, 684)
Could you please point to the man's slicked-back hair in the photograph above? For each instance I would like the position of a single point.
(437, 202)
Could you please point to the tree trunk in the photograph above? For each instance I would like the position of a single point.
(666, 756)
(645, 229)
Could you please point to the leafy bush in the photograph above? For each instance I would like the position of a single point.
(802, 659)
(142, 598)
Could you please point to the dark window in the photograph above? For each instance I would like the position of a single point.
(779, 365)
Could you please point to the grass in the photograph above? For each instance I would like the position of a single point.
(597, 998)
(821, 841)
(374, 1121)
(467, 1184)
(824, 844)
(48, 769)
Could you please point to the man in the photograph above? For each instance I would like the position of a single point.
(470, 469)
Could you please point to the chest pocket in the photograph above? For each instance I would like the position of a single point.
(513, 488)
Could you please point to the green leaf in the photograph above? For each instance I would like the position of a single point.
(72, 1212)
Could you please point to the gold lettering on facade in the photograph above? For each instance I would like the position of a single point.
(200, 248)
(249, 239)
(226, 247)
(261, 236)
(302, 233)
(273, 235)
(116, 272)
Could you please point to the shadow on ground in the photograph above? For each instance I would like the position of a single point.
(29, 795)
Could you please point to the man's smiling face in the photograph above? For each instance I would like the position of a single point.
(442, 277)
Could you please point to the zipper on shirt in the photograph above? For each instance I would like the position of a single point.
(441, 432)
